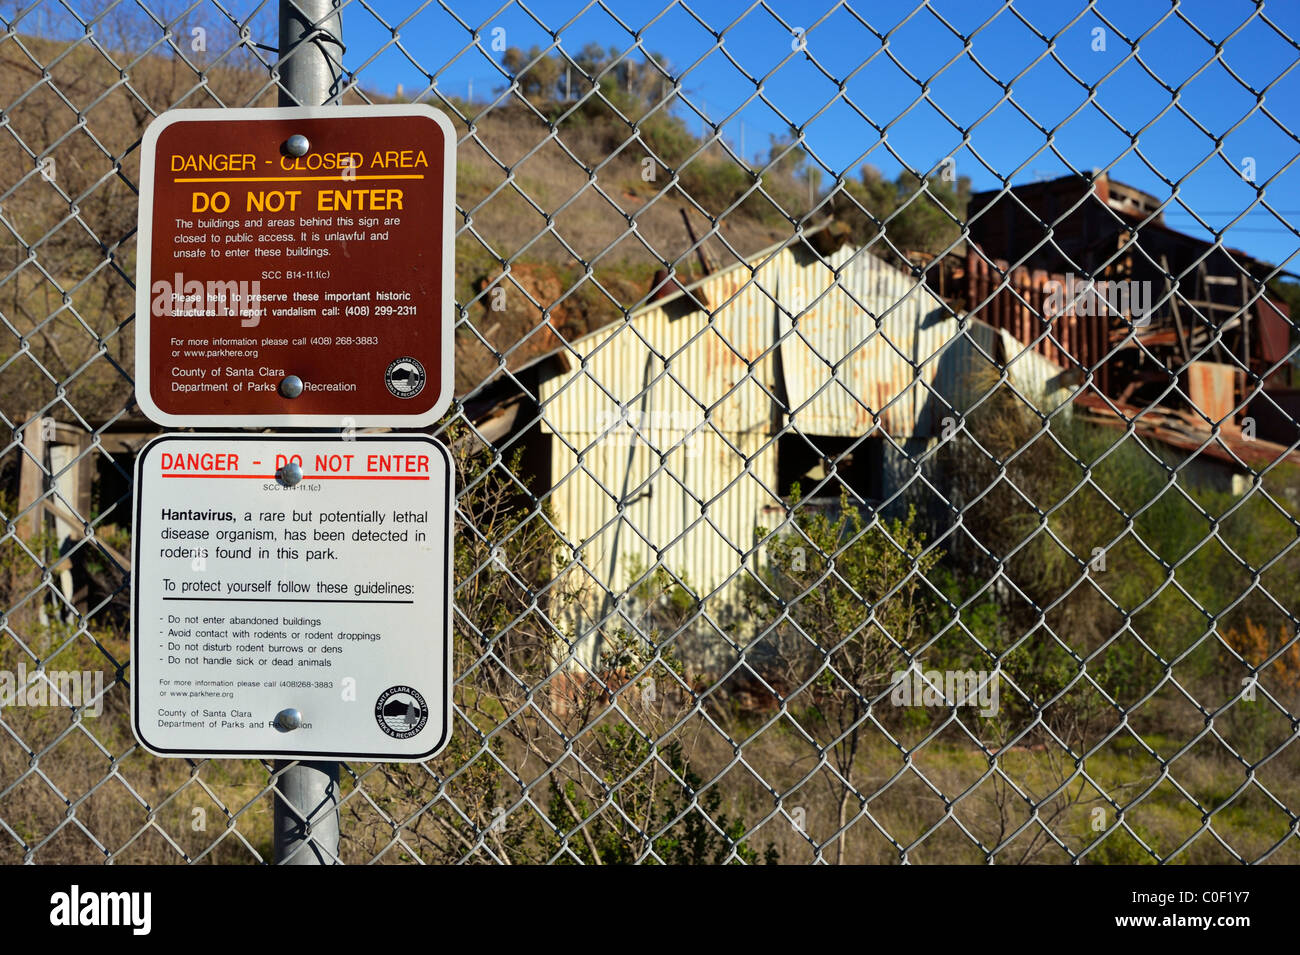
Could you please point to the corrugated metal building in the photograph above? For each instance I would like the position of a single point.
(671, 436)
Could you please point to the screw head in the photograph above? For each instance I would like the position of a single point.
(290, 474)
(297, 145)
(287, 720)
(290, 386)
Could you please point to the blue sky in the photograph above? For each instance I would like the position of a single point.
(760, 40)
(1007, 142)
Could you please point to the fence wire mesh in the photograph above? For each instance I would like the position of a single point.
(806, 513)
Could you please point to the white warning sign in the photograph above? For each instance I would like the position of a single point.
(292, 597)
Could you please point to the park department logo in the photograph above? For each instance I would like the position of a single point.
(405, 377)
(401, 712)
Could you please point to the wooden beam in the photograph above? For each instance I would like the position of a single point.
(706, 265)
(32, 475)
(85, 475)
(1245, 327)
(1178, 318)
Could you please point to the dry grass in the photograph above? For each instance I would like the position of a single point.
(83, 792)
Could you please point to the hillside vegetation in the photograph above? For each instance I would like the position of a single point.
(569, 202)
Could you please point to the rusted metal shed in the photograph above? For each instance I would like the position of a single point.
(672, 436)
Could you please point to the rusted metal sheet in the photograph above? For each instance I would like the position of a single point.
(1186, 431)
(1027, 310)
(861, 349)
(1211, 388)
(1273, 331)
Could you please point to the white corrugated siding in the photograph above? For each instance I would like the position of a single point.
(1037, 378)
(877, 337)
(664, 500)
(875, 345)
(692, 508)
(677, 369)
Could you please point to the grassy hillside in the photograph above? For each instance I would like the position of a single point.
(72, 172)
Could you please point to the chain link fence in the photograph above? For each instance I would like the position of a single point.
(806, 513)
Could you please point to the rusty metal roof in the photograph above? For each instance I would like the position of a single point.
(1182, 430)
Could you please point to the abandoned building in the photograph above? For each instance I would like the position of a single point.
(671, 438)
(1214, 351)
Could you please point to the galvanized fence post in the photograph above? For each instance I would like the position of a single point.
(311, 74)
(311, 52)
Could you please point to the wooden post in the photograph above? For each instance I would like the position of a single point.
(32, 476)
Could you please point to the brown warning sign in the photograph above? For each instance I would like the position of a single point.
(294, 267)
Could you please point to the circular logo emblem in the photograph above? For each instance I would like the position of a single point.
(405, 378)
(401, 712)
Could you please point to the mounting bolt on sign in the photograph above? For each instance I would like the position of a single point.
(289, 474)
(296, 267)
